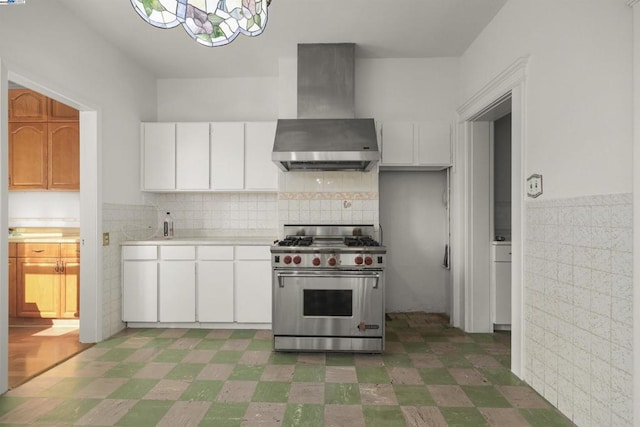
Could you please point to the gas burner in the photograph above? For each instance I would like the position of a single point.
(360, 241)
(296, 241)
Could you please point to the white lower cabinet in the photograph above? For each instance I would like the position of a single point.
(253, 284)
(501, 284)
(140, 284)
(177, 284)
(215, 284)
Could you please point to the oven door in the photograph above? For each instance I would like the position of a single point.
(328, 303)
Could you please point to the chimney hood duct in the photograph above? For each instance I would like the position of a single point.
(326, 136)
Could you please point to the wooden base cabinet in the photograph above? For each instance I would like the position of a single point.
(47, 285)
(13, 279)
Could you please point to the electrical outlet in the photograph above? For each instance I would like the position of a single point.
(105, 239)
(534, 185)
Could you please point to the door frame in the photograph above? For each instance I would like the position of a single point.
(510, 82)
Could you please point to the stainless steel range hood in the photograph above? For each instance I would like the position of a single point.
(326, 136)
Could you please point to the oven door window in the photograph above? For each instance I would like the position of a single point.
(328, 302)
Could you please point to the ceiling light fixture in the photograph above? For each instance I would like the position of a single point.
(209, 22)
(5, 2)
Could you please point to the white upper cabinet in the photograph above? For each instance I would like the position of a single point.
(192, 156)
(259, 170)
(419, 145)
(220, 156)
(227, 156)
(159, 156)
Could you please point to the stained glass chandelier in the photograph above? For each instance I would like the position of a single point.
(209, 22)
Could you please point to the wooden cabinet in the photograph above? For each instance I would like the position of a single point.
(223, 156)
(13, 279)
(253, 284)
(47, 283)
(420, 145)
(44, 143)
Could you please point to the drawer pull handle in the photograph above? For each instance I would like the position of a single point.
(37, 251)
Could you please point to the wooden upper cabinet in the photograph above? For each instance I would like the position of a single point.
(26, 105)
(59, 112)
(64, 156)
(27, 156)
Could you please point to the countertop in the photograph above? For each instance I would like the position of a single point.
(203, 241)
(44, 235)
(501, 243)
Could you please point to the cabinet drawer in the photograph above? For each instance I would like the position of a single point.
(70, 250)
(502, 253)
(221, 253)
(38, 250)
(178, 252)
(253, 252)
(139, 252)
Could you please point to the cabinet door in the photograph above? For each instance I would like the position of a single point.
(140, 291)
(159, 156)
(177, 291)
(27, 156)
(397, 143)
(59, 112)
(502, 293)
(64, 156)
(192, 156)
(434, 143)
(26, 105)
(70, 288)
(253, 291)
(38, 290)
(227, 156)
(259, 170)
(215, 291)
(13, 283)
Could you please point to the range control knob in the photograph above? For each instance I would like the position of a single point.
(332, 262)
(368, 260)
(297, 259)
(316, 261)
(358, 260)
(287, 259)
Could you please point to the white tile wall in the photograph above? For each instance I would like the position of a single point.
(122, 222)
(578, 306)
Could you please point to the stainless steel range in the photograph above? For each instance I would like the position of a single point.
(328, 289)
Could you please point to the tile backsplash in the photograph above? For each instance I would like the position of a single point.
(578, 306)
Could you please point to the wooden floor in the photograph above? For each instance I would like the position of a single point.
(35, 349)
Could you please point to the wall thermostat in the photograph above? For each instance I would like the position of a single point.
(534, 185)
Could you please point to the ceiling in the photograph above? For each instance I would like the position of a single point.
(380, 29)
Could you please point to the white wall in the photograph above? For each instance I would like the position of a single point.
(44, 209)
(81, 69)
(579, 101)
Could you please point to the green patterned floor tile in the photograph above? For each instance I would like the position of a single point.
(470, 348)
(500, 376)
(225, 414)
(413, 395)
(271, 391)
(391, 336)
(463, 417)
(342, 394)
(202, 391)
(436, 376)
(505, 360)
(339, 359)
(171, 355)
(145, 413)
(67, 387)
(260, 345)
(210, 344)
(112, 342)
(124, 370)
(397, 324)
(135, 388)
(226, 356)
(243, 334)
(372, 375)
(9, 403)
(278, 358)
(545, 418)
(434, 337)
(185, 371)
(247, 372)
(383, 416)
(69, 411)
(116, 354)
(160, 342)
(151, 332)
(484, 396)
(416, 347)
(397, 360)
(304, 415)
(196, 333)
(309, 373)
(455, 361)
(483, 338)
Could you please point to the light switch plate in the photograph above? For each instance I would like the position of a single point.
(534, 185)
(105, 239)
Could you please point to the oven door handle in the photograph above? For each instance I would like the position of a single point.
(365, 275)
